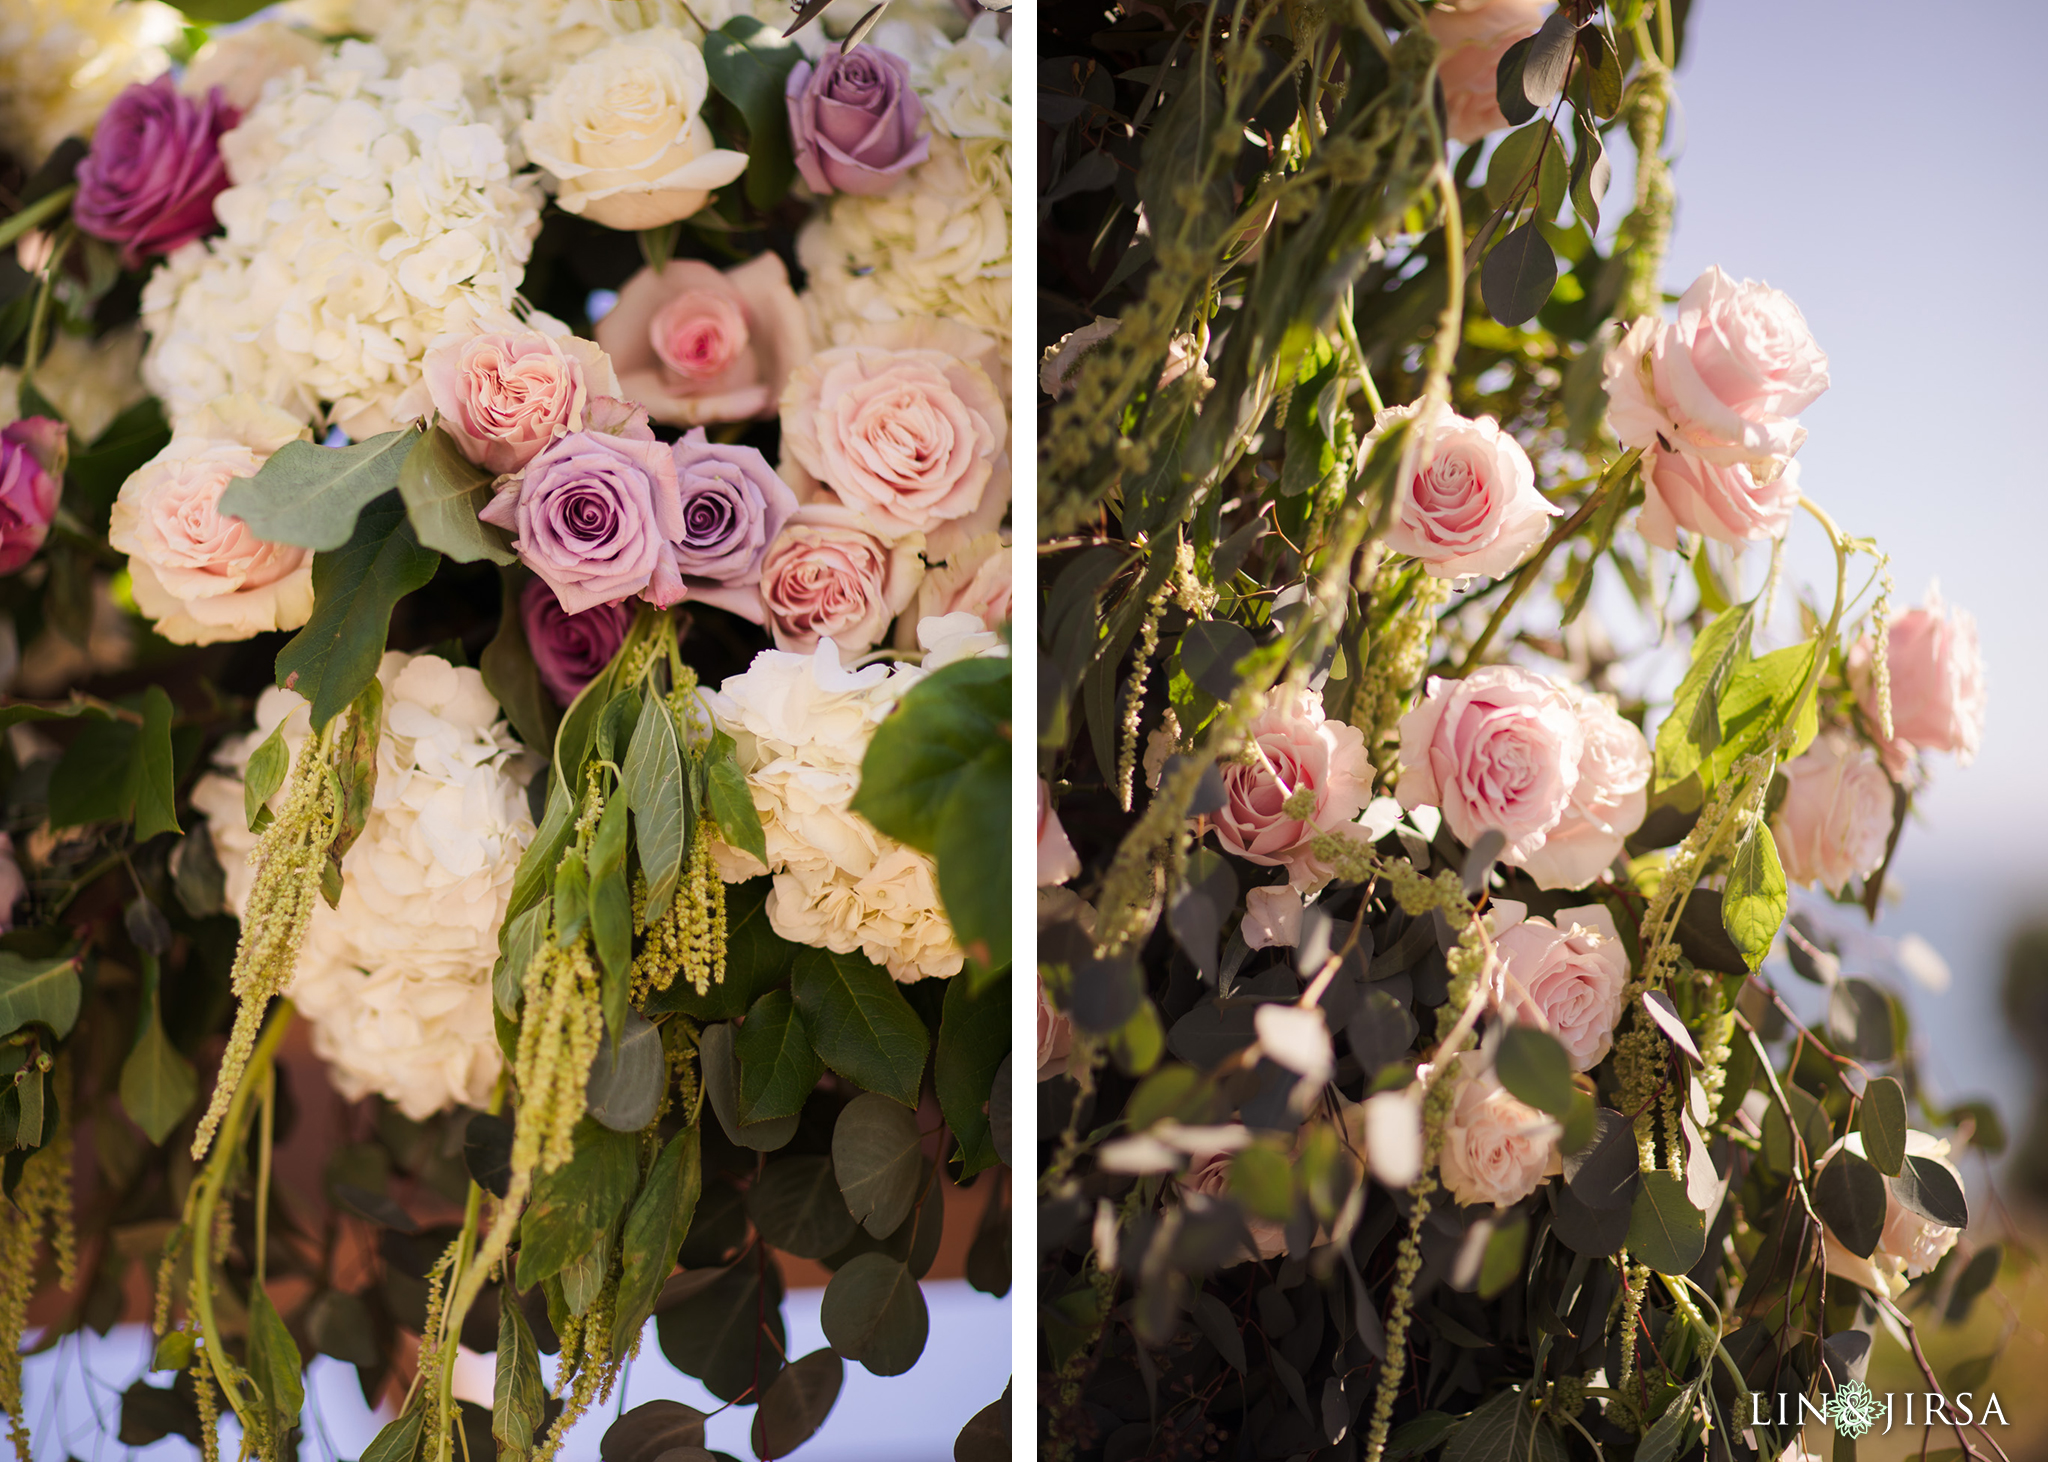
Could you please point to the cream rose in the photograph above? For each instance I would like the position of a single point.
(200, 575)
(911, 433)
(1272, 918)
(1937, 683)
(827, 576)
(1565, 975)
(1472, 508)
(1608, 801)
(1909, 1246)
(1303, 775)
(503, 397)
(1496, 1149)
(1056, 859)
(1724, 503)
(620, 131)
(1837, 813)
(696, 345)
(1499, 749)
(1723, 382)
(1473, 35)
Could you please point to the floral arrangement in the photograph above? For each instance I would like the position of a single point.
(504, 591)
(1418, 1061)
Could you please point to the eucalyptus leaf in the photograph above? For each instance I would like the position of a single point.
(1881, 1118)
(626, 1078)
(795, 1405)
(1849, 1196)
(1534, 1067)
(796, 1206)
(874, 1313)
(1518, 275)
(1665, 1231)
(721, 1088)
(877, 1155)
(1930, 1188)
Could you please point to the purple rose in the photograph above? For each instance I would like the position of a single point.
(570, 649)
(726, 507)
(582, 515)
(853, 120)
(31, 476)
(149, 182)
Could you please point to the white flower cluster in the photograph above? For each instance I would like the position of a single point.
(63, 61)
(801, 724)
(396, 979)
(369, 216)
(939, 243)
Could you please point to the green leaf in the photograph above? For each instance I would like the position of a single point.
(268, 764)
(94, 781)
(224, 12)
(1665, 1231)
(860, 1023)
(572, 899)
(654, 1232)
(1931, 1189)
(1514, 157)
(749, 66)
(721, 1088)
(1536, 1069)
(519, 1397)
(274, 1359)
(1662, 1441)
(156, 777)
(1881, 1118)
(796, 1403)
(1505, 1250)
(1504, 1430)
(511, 676)
(1693, 729)
(778, 1067)
(796, 1205)
(974, 1037)
(1849, 1196)
(158, 1085)
(611, 911)
(1753, 904)
(354, 589)
(874, 1313)
(1759, 699)
(1264, 1181)
(627, 1076)
(732, 807)
(399, 1441)
(878, 1159)
(659, 795)
(44, 991)
(575, 1204)
(444, 491)
(1518, 275)
(311, 495)
(729, 1334)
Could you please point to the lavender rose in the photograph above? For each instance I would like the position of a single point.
(583, 516)
(725, 509)
(853, 120)
(149, 182)
(570, 649)
(31, 474)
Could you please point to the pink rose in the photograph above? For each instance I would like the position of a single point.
(915, 438)
(1566, 977)
(1209, 1175)
(1472, 508)
(974, 580)
(696, 345)
(1837, 813)
(1724, 381)
(1055, 1038)
(829, 577)
(854, 121)
(1723, 502)
(1937, 683)
(1473, 35)
(1499, 749)
(583, 516)
(1057, 861)
(201, 575)
(1272, 918)
(13, 887)
(1496, 1149)
(1607, 803)
(503, 397)
(154, 170)
(32, 453)
(1305, 775)
(570, 650)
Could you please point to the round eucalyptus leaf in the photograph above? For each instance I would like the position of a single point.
(878, 1154)
(797, 1207)
(652, 1430)
(873, 1312)
(1849, 1196)
(624, 1085)
(1931, 1189)
(793, 1409)
(722, 1089)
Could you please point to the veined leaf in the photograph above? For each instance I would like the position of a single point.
(1753, 905)
(44, 991)
(1693, 729)
(732, 807)
(749, 65)
(778, 1066)
(659, 795)
(860, 1023)
(310, 495)
(654, 1231)
(519, 1397)
(444, 491)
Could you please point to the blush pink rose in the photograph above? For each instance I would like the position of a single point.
(1837, 813)
(1057, 861)
(827, 576)
(1499, 749)
(201, 575)
(1055, 1038)
(1722, 502)
(1294, 749)
(1496, 1149)
(1566, 976)
(974, 580)
(1724, 382)
(503, 397)
(1473, 507)
(1937, 683)
(911, 434)
(1473, 35)
(1209, 1175)
(696, 345)
(1607, 803)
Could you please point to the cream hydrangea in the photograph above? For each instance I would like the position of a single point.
(966, 85)
(801, 724)
(396, 979)
(370, 215)
(63, 61)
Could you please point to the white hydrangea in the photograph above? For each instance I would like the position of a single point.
(369, 216)
(63, 61)
(396, 980)
(965, 85)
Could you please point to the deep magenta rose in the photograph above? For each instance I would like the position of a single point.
(853, 121)
(570, 649)
(31, 477)
(583, 516)
(149, 182)
(726, 508)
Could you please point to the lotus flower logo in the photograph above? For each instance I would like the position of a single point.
(1852, 1410)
